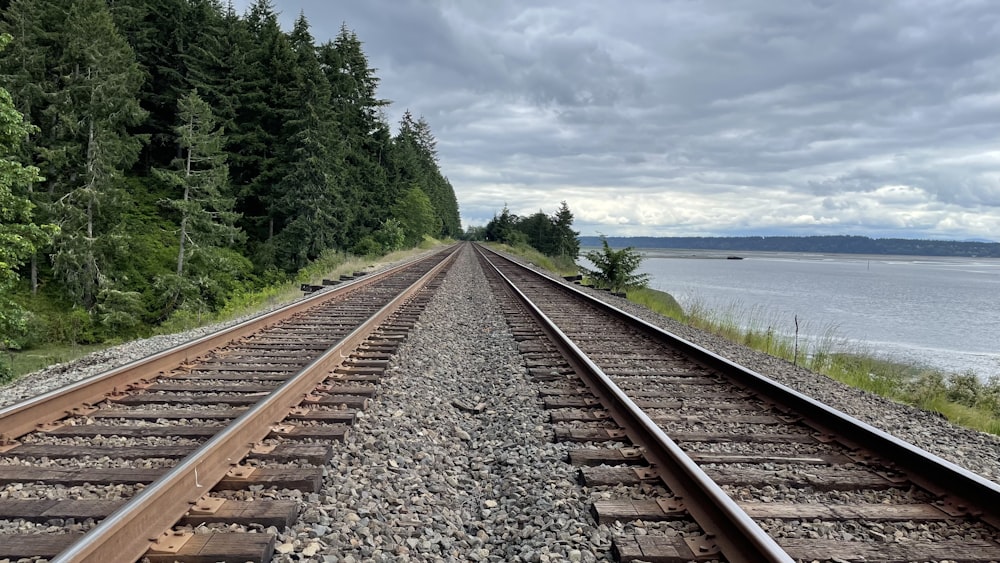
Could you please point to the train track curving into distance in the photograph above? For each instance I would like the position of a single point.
(141, 457)
(764, 471)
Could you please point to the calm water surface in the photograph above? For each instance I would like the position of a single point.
(941, 312)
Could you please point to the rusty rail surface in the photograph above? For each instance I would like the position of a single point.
(971, 493)
(127, 533)
(739, 537)
(21, 418)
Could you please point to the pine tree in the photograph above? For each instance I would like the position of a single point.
(261, 111)
(567, 242)
(95, 103)
(616, 268)
(364, 134)
(214, 57)
(164, 34)
(200, 177)
(415, 163)
(309, 196)
(23, 67)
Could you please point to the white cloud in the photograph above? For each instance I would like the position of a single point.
(701, 118)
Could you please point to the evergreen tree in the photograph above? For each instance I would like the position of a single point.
(257, 144)
(549, 235)
(539, 232)
(363, 134)
(163, 34)
(415, 160)
(200, 176)
(309, 196)
(215, 59)
(567, 241)
(95, 102)
(23, 65)
(502, 228)
(26, 72)
(616, 268)
(313, 164)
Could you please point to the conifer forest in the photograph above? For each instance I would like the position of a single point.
(161, 155)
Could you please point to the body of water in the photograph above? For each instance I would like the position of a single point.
(940, 312)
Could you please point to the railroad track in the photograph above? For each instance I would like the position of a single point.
(682, 435)
(171, 457)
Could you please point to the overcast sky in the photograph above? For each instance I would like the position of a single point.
(700, 117)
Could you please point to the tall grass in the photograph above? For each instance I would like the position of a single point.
(656, 300)
(562, 265)
(41, 356)
(963, 399)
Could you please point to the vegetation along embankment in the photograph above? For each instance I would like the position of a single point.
(164, 166)
(962, 398)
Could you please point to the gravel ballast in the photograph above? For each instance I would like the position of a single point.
(422, 480)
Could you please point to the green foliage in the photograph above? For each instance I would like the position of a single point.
(415, 216)
(390, 236)
(616, 268)
(655, 300)
(118, 310)
(501, 227)
(365, 174)
(414, 157)
(75, 326)
(19, 235)
(207, 222)
(141, 108)
(367, 246)
(553, 235)
(94, 105)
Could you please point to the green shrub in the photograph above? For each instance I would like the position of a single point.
(367, 246)
(963, 389)
(616, 268)
(75, 326)
(927, 388)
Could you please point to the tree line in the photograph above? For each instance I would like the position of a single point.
(836, 244)
(172, 152)
(551, 235)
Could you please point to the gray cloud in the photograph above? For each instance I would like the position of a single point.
(696, 118)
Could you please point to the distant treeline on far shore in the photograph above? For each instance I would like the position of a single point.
(821, 244)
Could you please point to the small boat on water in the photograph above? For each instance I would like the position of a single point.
(734, 257)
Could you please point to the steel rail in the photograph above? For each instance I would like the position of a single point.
(963, 489)
(125, 535)
(20, 418)
(737, 535)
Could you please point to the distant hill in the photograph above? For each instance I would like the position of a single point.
(821, 244)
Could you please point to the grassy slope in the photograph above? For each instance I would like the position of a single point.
(329, 266)
(962, 398)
